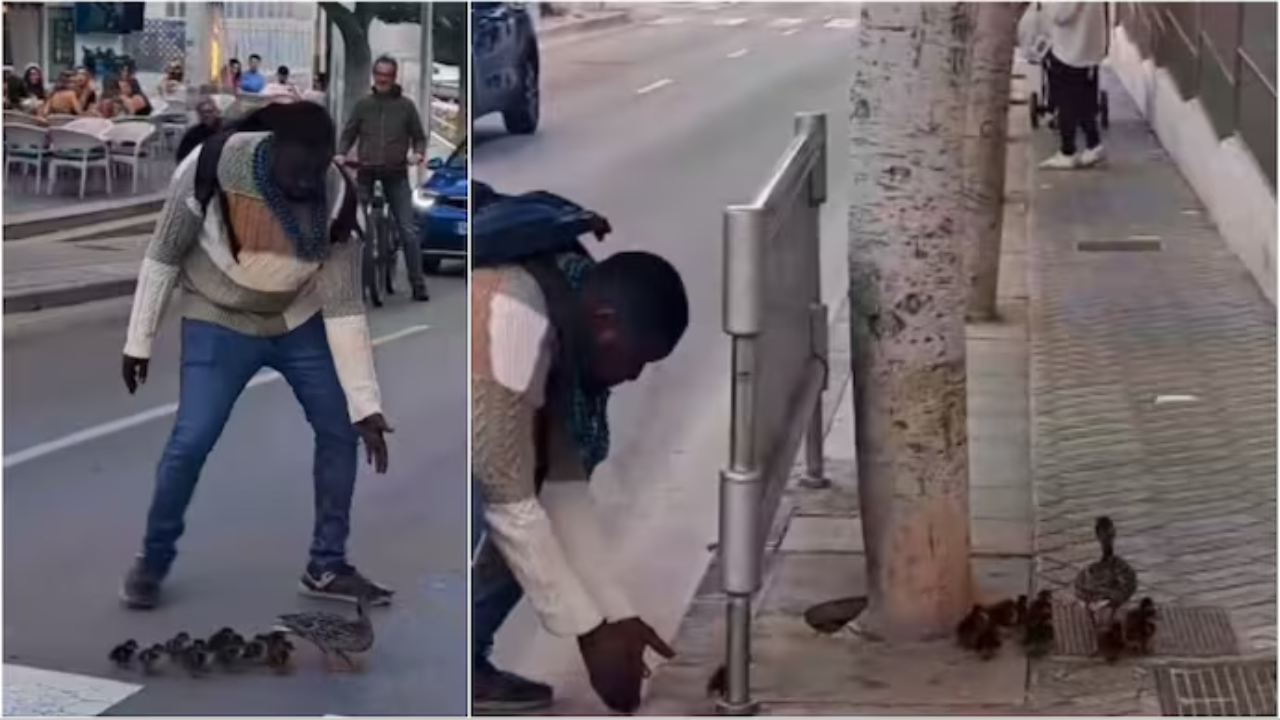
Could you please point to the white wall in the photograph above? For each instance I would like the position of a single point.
(1223, 173)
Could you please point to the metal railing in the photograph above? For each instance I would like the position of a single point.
(774, 315)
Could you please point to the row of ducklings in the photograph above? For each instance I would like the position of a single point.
(982, 630)
(225, 648)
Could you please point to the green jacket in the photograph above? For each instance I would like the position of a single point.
(387, 126)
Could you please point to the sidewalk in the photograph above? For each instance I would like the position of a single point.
(1064, 426)
(42, 274)
(579, 19)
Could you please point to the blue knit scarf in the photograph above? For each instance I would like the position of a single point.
(311, 244)
(588, 410)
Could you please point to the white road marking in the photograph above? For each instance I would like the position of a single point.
(785, 22)
(792, 31)
(654, 86)
(729, 22)
(737, 53)
(1170, 399)
(841, 24)
(1143, 238)
(89, 434)
(666, 21)
(32, 692)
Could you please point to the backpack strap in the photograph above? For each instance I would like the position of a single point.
(569, 328)
(207, 185)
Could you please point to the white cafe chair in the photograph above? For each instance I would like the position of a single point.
(60, 119)
(128, 143)
(90, 125)
(79, 151)
(27, 146)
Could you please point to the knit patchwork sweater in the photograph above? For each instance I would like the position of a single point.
(266, 290)
(552, 541)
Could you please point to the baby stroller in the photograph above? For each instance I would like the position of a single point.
(1041, 104)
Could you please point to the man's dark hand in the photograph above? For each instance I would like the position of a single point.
(134, 371)
(373, 431)
(614, 656)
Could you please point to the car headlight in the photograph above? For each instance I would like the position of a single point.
(423, 200)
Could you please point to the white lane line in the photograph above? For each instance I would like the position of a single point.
(785, 22)
(89, 434)
(1169, 399)
(842, 24)
(666, 21)
(654, 86)
(32, 692)
(737, 53)
(792, 31)
(729, 22)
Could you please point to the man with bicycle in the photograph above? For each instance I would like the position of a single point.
(389, 131)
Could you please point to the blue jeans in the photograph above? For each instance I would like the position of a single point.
(217, 363)
(495, 592)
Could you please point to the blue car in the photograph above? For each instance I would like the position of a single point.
(505, 65)
(441, 206)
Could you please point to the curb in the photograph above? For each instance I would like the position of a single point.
(47, 298)
(586, 24)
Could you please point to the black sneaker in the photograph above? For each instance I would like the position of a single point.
(495, 692)
(141, 587)
(343, 583)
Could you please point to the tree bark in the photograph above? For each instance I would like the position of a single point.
(986, 148)
(906, 297)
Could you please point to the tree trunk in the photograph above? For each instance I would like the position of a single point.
(462, 127)
(357, 59)
(906, 296)
(986, 147)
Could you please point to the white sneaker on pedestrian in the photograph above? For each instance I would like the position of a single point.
(1060, 162)
(1092, 156)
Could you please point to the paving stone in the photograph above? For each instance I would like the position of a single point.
(1192, 485)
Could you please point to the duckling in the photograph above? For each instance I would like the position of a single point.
(219, 639)
(254, 651)
(1009, 612)
(971, 626)
(196, 658)
(1037, 632)
(150, 658)
(1140, 626)
(718, 684)
(229, 652)
(122, 654)
(1111, 642)
(987, 643)
(1108, 582)
(177, 645)
(278, 657)
(332, 633)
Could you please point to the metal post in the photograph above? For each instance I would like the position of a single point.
(740, 489)
(814, 463)
(426, 52)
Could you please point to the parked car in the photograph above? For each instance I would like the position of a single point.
(441, 206)
(505, 65)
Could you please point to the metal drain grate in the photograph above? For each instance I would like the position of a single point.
(1231, 689)
(1180, 632)
(1100, 246)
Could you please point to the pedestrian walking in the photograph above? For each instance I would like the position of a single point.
(552, 335)
(388, 129)
(1078, 45)
(268, 282)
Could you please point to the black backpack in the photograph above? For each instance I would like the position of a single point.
(343, 228)
(533, 230)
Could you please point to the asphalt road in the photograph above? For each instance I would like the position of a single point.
(659, 125)
(74, 508)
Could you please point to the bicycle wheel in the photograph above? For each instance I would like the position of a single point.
(369, 266)
(386, 256)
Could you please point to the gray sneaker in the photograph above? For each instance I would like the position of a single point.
(343, 583)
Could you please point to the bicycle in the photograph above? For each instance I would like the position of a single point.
(381, 245)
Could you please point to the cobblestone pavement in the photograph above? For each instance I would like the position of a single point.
(1153, 386)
